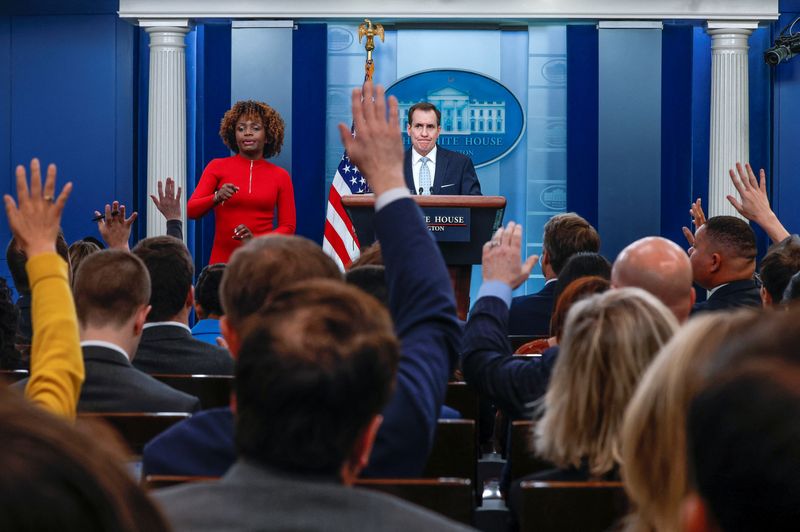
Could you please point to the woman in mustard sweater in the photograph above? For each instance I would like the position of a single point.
(56, 359)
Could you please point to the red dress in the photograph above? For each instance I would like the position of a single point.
(263, 188)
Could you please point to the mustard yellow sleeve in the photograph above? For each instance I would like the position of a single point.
(56, 357)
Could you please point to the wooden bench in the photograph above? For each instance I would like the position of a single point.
(13, 375)
(154, 482)
(520, 452)
(463, 398)
(451, 497)
(568, 506)
(137, 428)
(213, 390)
(454, 452)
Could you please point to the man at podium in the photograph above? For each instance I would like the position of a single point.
(430, 169)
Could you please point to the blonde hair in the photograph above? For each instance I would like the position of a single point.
(654, 427)
(609, 340)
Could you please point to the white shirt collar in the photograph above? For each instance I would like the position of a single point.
(107, 345)
(170, 323)
(415, 157)
(711, 292)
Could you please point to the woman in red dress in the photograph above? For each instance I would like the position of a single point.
(245, 190)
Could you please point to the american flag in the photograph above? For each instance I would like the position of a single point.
(340, 241)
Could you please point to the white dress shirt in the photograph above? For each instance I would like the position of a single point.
(416, 165)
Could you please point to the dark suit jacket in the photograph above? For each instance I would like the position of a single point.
(735, 294)
(512, 383)
(199, 446)
(454, 174)
(530, 315)
(171, 349)
(251, 497)
(113, 385)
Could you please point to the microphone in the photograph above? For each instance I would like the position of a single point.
(431, 191)
(421, 191)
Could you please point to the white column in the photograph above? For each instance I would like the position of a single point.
(730, 111)
(166, 115)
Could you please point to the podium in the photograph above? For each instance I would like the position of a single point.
(460, 225)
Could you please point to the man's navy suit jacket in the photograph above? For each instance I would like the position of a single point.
(454, 175)
(744, 293)
(530, 315)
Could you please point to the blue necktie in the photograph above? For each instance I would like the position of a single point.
(425, 177)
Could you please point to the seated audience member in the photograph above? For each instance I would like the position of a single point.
(167, 345)
(792, 291)
(743, 439)
(319, 343)
(564, 235)
(723, 257)
(421, 300)
(203, 444)
(583, 264)
(594, 380)
(610, 339)
(112, 289)
(654, 428)
(371, 279)
(511, 383)
(778, 266)
(56, 478)
(370, 256)
(10, 357)
(754, 204)
(660, 267)
(17, 261)
(79, 250)
(207, 307)
(56, 364)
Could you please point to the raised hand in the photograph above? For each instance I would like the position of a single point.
(114, 227)
(376, 148)
(168, 201)
(502, 257)
(698, 220)
(36, 218)
(755, 203)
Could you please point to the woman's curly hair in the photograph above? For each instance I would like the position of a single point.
(269, 117)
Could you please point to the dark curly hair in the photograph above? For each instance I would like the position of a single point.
(269, 117)
(10, 358)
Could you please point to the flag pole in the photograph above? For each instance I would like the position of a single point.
(340, 241)
(370, 31)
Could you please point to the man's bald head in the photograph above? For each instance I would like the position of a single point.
(660, 267)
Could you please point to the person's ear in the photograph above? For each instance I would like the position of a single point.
(362, 449)
(716, 262)
(189, 303)
(198, 310)
(230, 335)
(766, 298)
(694, 515)
(141, 318)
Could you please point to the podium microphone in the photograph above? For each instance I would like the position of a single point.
(421, 191)
(431, 191)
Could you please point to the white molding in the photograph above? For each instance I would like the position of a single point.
(163, 23)
(416, 10)
(262, 24)
(630, 25)
(732, 25)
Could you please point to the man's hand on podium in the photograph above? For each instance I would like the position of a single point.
(502, 257)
